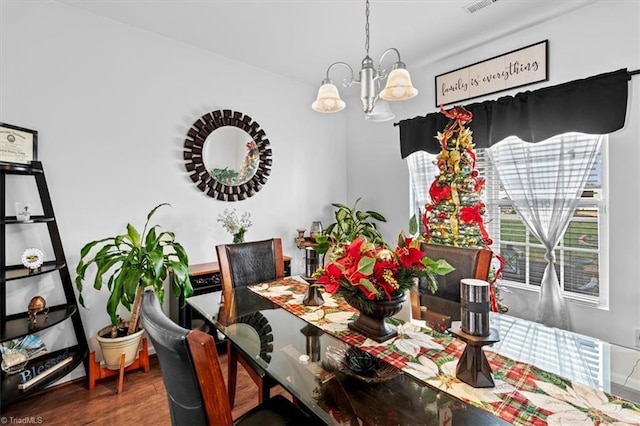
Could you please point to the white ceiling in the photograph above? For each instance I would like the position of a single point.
(301, 38)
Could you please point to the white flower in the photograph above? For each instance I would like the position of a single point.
(411, 338)
(232, 223)
(563, 403)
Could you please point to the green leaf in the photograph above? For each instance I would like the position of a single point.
(151, 240)
(157, 261)
(369, 286)
(360, 215)
(133, 234)
(439, 267)
(365, 265)
(340, 206)
(112, 304)
(413, 225)
(377, 216)
(341, 216)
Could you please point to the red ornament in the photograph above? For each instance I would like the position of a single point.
(439, 193)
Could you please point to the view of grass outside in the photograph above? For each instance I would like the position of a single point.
(576, 256)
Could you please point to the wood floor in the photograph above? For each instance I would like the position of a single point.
(143, 401)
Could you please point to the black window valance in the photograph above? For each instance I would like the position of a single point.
(594, 105)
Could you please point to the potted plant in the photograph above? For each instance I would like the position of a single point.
(374, 279)
(349, 224)
(130, 263)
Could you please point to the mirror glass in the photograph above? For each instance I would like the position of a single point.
(230, 155)
(227, 155)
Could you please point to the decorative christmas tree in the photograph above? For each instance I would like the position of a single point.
(454, 215)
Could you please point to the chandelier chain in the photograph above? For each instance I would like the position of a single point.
(366, 29)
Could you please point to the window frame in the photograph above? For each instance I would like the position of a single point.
(492, 223)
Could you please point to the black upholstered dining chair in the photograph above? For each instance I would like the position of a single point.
(194, 380)
(241, 265)
(468, 263)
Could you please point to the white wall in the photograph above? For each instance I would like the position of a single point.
(598, 38)
(112, 106)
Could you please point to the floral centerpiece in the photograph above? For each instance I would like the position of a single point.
(363, 272)
(236, 226)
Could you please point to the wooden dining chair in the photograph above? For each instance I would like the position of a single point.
(241, 265)
(194, 381)
(444, 305)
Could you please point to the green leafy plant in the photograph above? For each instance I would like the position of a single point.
(349, 224)
(131, 262)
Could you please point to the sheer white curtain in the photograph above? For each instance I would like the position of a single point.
(545, 181)
(422, 172)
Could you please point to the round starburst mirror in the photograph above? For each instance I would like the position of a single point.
(227, 155)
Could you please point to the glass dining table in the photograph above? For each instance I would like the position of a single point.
(302, 358)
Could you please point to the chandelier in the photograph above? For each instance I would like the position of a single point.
(398, 87)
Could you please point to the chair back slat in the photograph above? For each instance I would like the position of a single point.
(469, 263)
(193, 400)
(207, 366)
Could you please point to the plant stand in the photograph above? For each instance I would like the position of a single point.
(372, 324)
(96, 372)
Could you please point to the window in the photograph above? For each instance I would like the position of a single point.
(580, 358)
(578, 257)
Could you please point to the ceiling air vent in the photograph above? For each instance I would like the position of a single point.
(477, 5)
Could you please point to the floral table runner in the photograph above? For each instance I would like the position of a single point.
(523, 394)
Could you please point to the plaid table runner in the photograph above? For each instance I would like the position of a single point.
(523, 394)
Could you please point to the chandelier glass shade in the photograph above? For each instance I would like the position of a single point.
(381, 112)
(328, 98)
(398, 85)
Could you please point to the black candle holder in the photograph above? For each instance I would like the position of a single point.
(473, 367)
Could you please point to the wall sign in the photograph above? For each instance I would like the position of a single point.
(517, 68)
(17, 144)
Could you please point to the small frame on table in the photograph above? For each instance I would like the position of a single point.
(18, 144)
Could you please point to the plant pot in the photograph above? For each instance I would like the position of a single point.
(113, 348)
(371, 323)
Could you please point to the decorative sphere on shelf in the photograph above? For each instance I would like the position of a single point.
(37, 304)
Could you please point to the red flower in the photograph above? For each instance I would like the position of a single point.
(353, 249)
(331, 278)
(368, 294)
(381, 266)
(409, 256)
(372, 271)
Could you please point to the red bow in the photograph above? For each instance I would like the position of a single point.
(458, 113)
(439, 193)
(460, 116)
(471, 214)
(492, 292)
(425, 223)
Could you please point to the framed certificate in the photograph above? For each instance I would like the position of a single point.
(17, 144)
